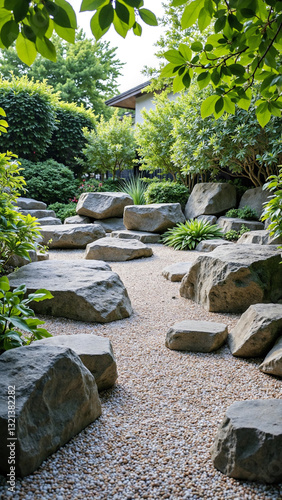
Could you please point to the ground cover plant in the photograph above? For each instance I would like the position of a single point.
(233, 235)
(187, 236)
(63, 210)
(243, 213)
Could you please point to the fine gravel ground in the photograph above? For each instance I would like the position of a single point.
(158, 423)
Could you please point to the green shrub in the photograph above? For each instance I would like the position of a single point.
(63, 210)
(273, 208)
(188, 235)
(167, 192)
(16, 316)
(243, 213)
(49, 181)
(233, 235)
(135, 187)
(30, 112)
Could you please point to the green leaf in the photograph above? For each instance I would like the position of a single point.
(178, 84)
(219, 24)
(208, 106)
(40, 295)
(204, 19)
(4, 284)
(120, 27)
(96, 28)
(229, 106)
(46, 48)
(169, 70)
(148, 17)
(186, 79)
(134, 3)
(234, 23)
(219, 105)
(174, 56)
(263, 117)
(70, 13)
(19, 323)
(29, 33)
(67, 34)
(9, 33)
(176, 3)
(237, 69)
(92, 4)
(197, 46)
(122, 12)
(190, 14)
(137, 29)
(39, 23)
(20, 10)
(106, 16)
(203, 79)
(26, 50)
(185, 51)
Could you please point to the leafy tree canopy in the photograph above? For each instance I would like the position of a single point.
(85, 73)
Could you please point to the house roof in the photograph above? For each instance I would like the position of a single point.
(127, 99)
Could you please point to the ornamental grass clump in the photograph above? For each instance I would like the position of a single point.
(135, 187)
(187, 236)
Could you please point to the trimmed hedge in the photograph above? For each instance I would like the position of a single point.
(167, 192)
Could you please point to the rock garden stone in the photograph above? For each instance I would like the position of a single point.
(248, 444)
(153, 218)
(210, 198)
(232, 277)
(256, 330)
(144, 237)
(30, 204)
(50, 221)
(196, 336)
(175, 272)
(254, 198)
(234, 224)
(42, 256)
(56, 397)
(17, 261)
(39, 214)
(96, 353)
(71, 235)
(117, 250)
(208, 218)
(210, 245)
(103, 205)
(112, 224)
(272, 364)
(78, 219)
(82, 290)
(260, 238)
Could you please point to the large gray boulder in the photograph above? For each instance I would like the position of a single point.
(210, 198)
(196, 336)
(210, 245)
(117, 250)
(272, 364)
(17, 261)
(112, 224)
(96, 353)
(255, 198)
(256, 330)
(175, 272)
(208, 218)
(83, 290)
(55, 398)
(49, 221)
(30, 204)
(232, 277)
(71, 235)
(261, 237)
(78, 219)
(248, 444)
(153, 218)
(142, 236)
(103, 205)
(39, 214)
(235, 224)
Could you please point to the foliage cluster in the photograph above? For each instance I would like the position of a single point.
(49, 181)
(273, 208)
(91, 185)
(233, 235)
(187, 236)
(167, 192)
(63, 210)
(136, 188)
(243, 213)
(17, 317)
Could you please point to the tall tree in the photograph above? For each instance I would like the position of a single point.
(85, 72)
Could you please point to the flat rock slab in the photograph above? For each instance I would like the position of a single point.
(175, 272)
(272, 364)
(153, 218)
(261, 237)
(117, 250)
(84, 291)
(255, 198)
(96, 353)
(235, 224)
(210, 245)
(112, 224)
(103, 205)
(30, 204)
(50, 221)
(256, 331)
(142, 236)
(196, 336)
(56, 397)
(232, 277)
(248, 444)
(71, 235)
(78, 219)
(210, 198)
(39, 214)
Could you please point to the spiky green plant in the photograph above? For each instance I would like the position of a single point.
(135, 187)
(187, 236)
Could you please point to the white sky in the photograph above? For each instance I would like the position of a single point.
(135, 51)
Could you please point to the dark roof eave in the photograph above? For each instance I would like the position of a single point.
(127, 99)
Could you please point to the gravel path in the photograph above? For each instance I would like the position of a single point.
(159, 422)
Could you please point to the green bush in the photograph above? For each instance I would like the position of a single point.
(188, 235)
(31, 115)
(68, 139)
(167, 192)
(95, 186)
(135, 187)
(63, 210)
(243, 213)
(273, 208)
(233, 235)
(49, 181)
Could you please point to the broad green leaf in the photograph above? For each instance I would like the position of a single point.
(106, 16)
(20, 323)
(186, 79)
(204, 19)
(3, 123)
(46, 48)
(69, 11)
(234, 22)
(9, 33)
(196, 46)
(178, 84)
(237, 69)
(20, 10)
(176, 3)
(40, 295)
(219, 105)
(4, 284)
(203, 79)
(39, 23)
(174, 56)
(263, 117)
(208, 106)
(26, 50)
(92, 4)
(134, 3)
(244, 104)
(169, 70)
(67, 34)
(120, 27)
(148, 17)
(219, 24)
(29, 33)
(137, 29)
(122, 12)
(185, 51)
(229, 106)
(191, 12)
